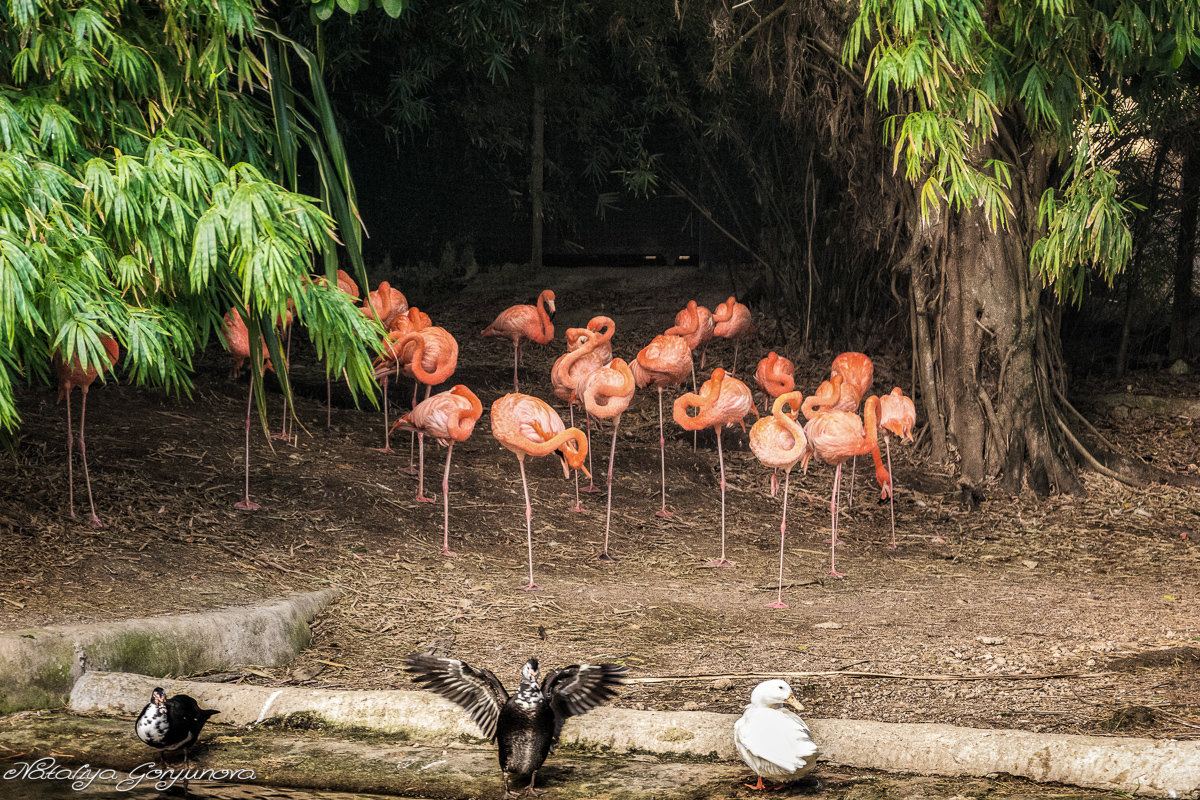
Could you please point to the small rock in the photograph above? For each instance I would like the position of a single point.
(1025, 562)
(989, 639)
(691, 705)
(1180, 367)
(832, 626)
(722, 684)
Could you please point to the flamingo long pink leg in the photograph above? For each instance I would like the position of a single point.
(782, 536)
(93, 520)
(722, 561)
(246, 504)
(70, 460)
(591, 487)
(412, 439)
(578, 507)
(446, 551)
(853, 468)
(531, 587)
(612, 453)
(833, 541)
(662, 450)
(891, 494)
(421, 496)
(516, 358)
(387, 432)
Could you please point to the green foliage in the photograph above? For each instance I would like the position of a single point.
(137, 192)
(979, 87)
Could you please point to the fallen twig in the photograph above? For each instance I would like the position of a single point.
(1007, 676)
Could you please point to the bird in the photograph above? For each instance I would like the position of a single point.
(525, 726)
(429, 355)
(172, 724)
(771, 738)
(524, 322)
(568, 370)
(695, 324)
(721, 402)
(412, 320)
(528, 426)
(779, 442)
(385, 304)
(449, 417)
(858, 373)
(835, 436)
(600, 327)
(347, 286)
(666, 361)
(732, 321)
(776, 376)
(897, 415)
(606, 393)
(237, 335)
(72, 374)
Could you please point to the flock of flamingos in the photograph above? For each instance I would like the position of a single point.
(589, 376)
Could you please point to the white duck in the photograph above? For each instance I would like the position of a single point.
(772, 739)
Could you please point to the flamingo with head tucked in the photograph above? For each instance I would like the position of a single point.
(606, 393)
(568, 370)
(722, 401)
(600, 329)
(666, 361)
(430, 355)
(775, 376)
(835, 436)
(530, 427)
(386, 303)
(779, 442)
(732, 321)
(524, 322)
(897, 415)
(72, 374)
(449, 417)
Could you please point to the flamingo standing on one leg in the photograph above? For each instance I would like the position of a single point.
(606, 393)
(835, 436)
(449, 417)
(695, 324)
(429, 355)
(409, 322)
(524, 322)
(238, 337)
(779, 442)
(347, 285)
(732, 321)
(666, 361)
(530, 427)
(71, 375)
(897, 415)
(568, 370)
(600, 329)
(775, 376)
(721, 402)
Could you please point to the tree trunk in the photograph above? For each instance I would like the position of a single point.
(998, 354)
(536, 175)
(1185, 255)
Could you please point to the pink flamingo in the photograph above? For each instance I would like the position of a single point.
(430, 355)
(530, 427)
(601, 328)
(449, 417)
(524, 322)
(732, 321)
(666, 361)
(568, 370)
(238, 337)
(859, 373)
(775, 376)
(835, 436)
(71, 375)
(606, 393)
(779, 442)
(721, 402)
(695, 324)
(897, 415)
(386, 303)
(409, 322)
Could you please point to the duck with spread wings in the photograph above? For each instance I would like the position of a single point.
(525, 726)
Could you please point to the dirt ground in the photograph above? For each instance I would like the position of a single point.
(1072, 614)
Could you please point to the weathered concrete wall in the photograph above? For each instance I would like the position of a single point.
(38, 666)
(1163, 768)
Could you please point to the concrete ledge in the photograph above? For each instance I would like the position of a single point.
(38, 666)
(1163, 768)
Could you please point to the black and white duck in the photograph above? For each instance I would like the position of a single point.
(525, 726)
(772, 738)
(173, 724)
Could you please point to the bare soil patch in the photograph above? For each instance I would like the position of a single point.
(968, 622)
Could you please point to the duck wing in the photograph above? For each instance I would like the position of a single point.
(778, 737)
(478, 691)
(579, 688)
